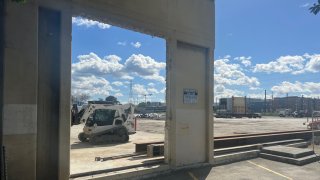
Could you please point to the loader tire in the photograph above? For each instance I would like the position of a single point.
(123, 134)
(82, 137)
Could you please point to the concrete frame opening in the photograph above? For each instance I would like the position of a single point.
(114, 155)
(190, 43)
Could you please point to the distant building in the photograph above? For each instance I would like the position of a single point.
(152, 107)
(295, 103)
(244, 105)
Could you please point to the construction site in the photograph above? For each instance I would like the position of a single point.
(199, 130)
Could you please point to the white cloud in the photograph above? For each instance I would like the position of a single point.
(284, 64)
(117, 83)
(163, 91)
(314, 64)
(153, 91)
(122, 43)
(139, 89)
(79, 21)
(93, 64)
(305, 5)
(91, 85)
(118, 95)
(151, 84)
(254, 88)
(220, 91)
(231, 74)
(145, 67)
(136, 65)
(136, 44)
(291, 64)
(98, 69)
(297, 87)
(246, 61)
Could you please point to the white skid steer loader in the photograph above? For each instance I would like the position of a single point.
(105, 123)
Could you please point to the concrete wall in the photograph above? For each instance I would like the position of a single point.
(188, 27)
(1, 81)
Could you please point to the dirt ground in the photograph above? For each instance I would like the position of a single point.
(234, 126)
(82, 155)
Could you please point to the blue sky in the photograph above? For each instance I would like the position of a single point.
(105, 59)
(278, 45)
(272, 45)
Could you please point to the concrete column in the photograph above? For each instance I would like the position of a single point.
(31, 127)
(65, 93)
(189, 125)
(20, 89)
(1, 81)
(54, 94)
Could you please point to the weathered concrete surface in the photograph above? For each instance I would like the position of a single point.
(153, 130)
(20, 90)
(180, 22)
(287, 151)
(82, 155)
(259, 168)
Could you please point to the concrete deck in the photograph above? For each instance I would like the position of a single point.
(259, 168)
(82, 155)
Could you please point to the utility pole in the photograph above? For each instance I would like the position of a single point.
(245, 104)
(287, 103)
(145, 97)
(265, 100)
(130, 100)
(272, 102)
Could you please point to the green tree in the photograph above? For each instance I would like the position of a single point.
(142, 104)
(315, 9)
(112, 100)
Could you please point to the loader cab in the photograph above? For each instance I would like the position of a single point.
(101, 117)
(105, 117)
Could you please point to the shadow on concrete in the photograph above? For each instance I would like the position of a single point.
(81, 145)
(187, 174)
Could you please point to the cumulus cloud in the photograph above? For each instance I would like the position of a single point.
(136, 44)
(314, 64)
(297, 87)
(139, 89)
(79, 21)
(284, 64)
(117, 83)
(91, 85)
(246, 61)
(145, 67)
(89, 74)
(220, 91)
(291, 64)
(118, 95)
(153, 91)
(93, 64)
(226, 73)
(136, 65)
